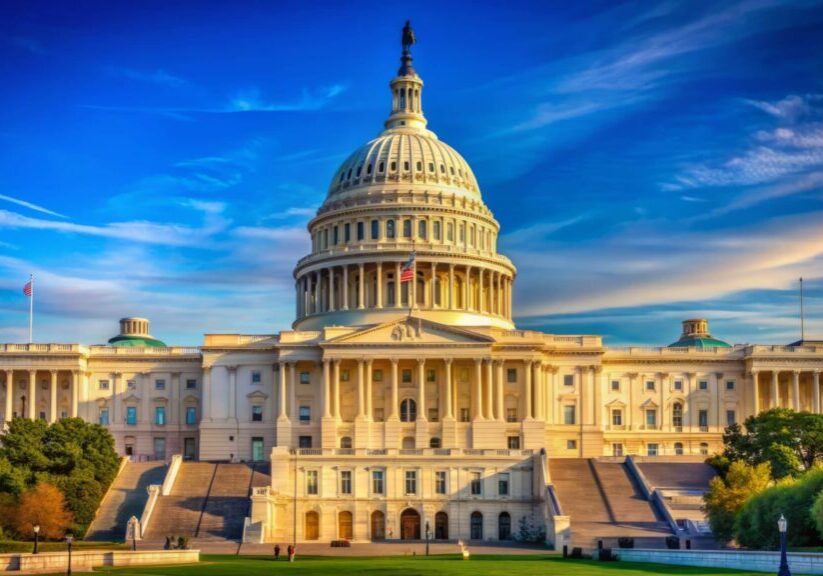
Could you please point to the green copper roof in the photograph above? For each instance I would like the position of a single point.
(699, 342)
(136, 341)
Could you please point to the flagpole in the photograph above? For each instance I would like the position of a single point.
(31, 308)
(802, 321)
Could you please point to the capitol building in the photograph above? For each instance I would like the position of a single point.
(404, 397)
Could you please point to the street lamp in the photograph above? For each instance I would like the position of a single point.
(782, 524)
(428, 534)
(36, 530)
(69, 540)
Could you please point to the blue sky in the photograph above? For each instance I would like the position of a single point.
(648, 162)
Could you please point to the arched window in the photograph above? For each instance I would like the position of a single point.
(408, 443)
(375, 229)
(408, 410)
(345, 442)
(348, 176)
(677, 415)
(442, 169)
(436, 230)
(390, 229)
(441, 526)
(434, 442)
(359, 168)
(678, 448)
(504, 526)
(419, 166)
(407, 228)
(378, 525)
(368, 169)
(381, 167)
(704, 448)
(394, 166)
(476, 525)
(421, 229)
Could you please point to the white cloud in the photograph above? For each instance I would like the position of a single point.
(31, 206)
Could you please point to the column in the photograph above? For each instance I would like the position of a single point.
(448, 389)
(527, 389)
(499, 294)
(478, 390)
(434, 285)
(451, 286)
(489, 400)
(664, 413)
(689, 406)
(32, 407)
(369, 395)
(413, 285)
(361, 395)
(397, 293)
(498, 387)
(206, 400)
(816, 391)
(9, 395)
(361, 287)
(755, 394)
(467, 288)
(594, 376)
(773, 399)
(53, 397)
(421, 390)
(325, 396)
(293, 392)
(550, 417)
(394, 391)
(537, 382)
(796, 390)
(281, 413)
(481, 292)
(345, 304)
(331, 289)
(379, 284)
(335, 393)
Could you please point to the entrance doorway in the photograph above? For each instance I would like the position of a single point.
(188, 449)
(344, 526)
(441, 526)
(257, 449)
(410, 524)
(312, 526)
(378, 525)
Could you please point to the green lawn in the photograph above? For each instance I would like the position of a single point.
(541, 565)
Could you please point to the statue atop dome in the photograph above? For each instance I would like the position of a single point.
(406, 68)
(408, 37)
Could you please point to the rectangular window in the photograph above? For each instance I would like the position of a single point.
(476, 484)
(191, 416)
(406, 376)
(433, 415)
(375, 229)
(440, 482)
(191, 384)
(347, 232)
(344, 375)
(256, 377)
(304, 441)
(571, 444)
(256, 413)
(305, 414)
(377, 481)
(464, 414)
(616, 385)
(160, 384)
(103, 417)
(568, 380)
(511, 414)
(311, 482)
(568, 414)
(503, 484)
(511, 375)
(729, 384)
(131, 415)
(361, 231)
(305, 378)
(651, 449)
(436, 230)
(651, 419)
(377, 375)
(103, 384)
(617, 417)
(703, 419)
(462, 233)
(678, 385)
(704, 385)
(650, 385)
(345, 481)
(411, 482)
(407, 228)
(513, 442)
(617, 449)
(421, 229)
(431, 375)
(160, 415)
(731, 418)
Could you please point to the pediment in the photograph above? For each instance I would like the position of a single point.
(649, 404)
(131, 398)
(616, 403)
(257, 395)
(412, 330)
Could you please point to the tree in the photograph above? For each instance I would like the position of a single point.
(44, 506)
(726, 496)
(792, 442)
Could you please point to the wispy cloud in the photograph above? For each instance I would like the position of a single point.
(159, 76)
(31, 206)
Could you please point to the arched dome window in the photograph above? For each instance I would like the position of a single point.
(431, 166)
(394, 166)
(434, 442)
(419, 166)
(678, 448)
(390, 229)
(381, 167)
(407, 228)
(408, 410)
(442, 169)
(348, 176)
(368, 169)
(421, 229)
(359, 168)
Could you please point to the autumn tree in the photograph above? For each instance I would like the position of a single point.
(727, 495)
(44, 506)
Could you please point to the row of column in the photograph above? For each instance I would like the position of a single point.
(774, 389)
(30, 410)
(466, 288)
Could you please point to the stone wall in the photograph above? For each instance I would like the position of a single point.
(799, 562)
(85, 560)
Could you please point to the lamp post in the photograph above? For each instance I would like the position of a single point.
(69, 540)
(782, 524)
(428, 534)
(36, 530)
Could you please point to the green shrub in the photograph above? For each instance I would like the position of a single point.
(727, 494)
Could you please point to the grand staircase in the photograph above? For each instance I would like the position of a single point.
(178, 514)
(126, 498)
(604, 503)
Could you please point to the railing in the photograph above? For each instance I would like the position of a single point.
(238, 339)
(41, 348)
(143, 351)
(442, 452)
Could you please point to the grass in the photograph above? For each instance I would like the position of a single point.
(446, 565)
(7, 546)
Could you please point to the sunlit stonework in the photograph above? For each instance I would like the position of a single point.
(392, 406)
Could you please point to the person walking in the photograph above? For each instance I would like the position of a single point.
(277, 551)
(291, 552)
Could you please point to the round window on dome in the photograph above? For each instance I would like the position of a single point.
(394, 166)
(431, 166)
(381, 167)
(419, 166)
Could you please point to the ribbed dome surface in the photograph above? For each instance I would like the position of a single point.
(405, 155)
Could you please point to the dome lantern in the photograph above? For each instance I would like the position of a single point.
(406, 88)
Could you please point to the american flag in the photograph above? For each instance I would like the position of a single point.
(407, 273)
(27, 289)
